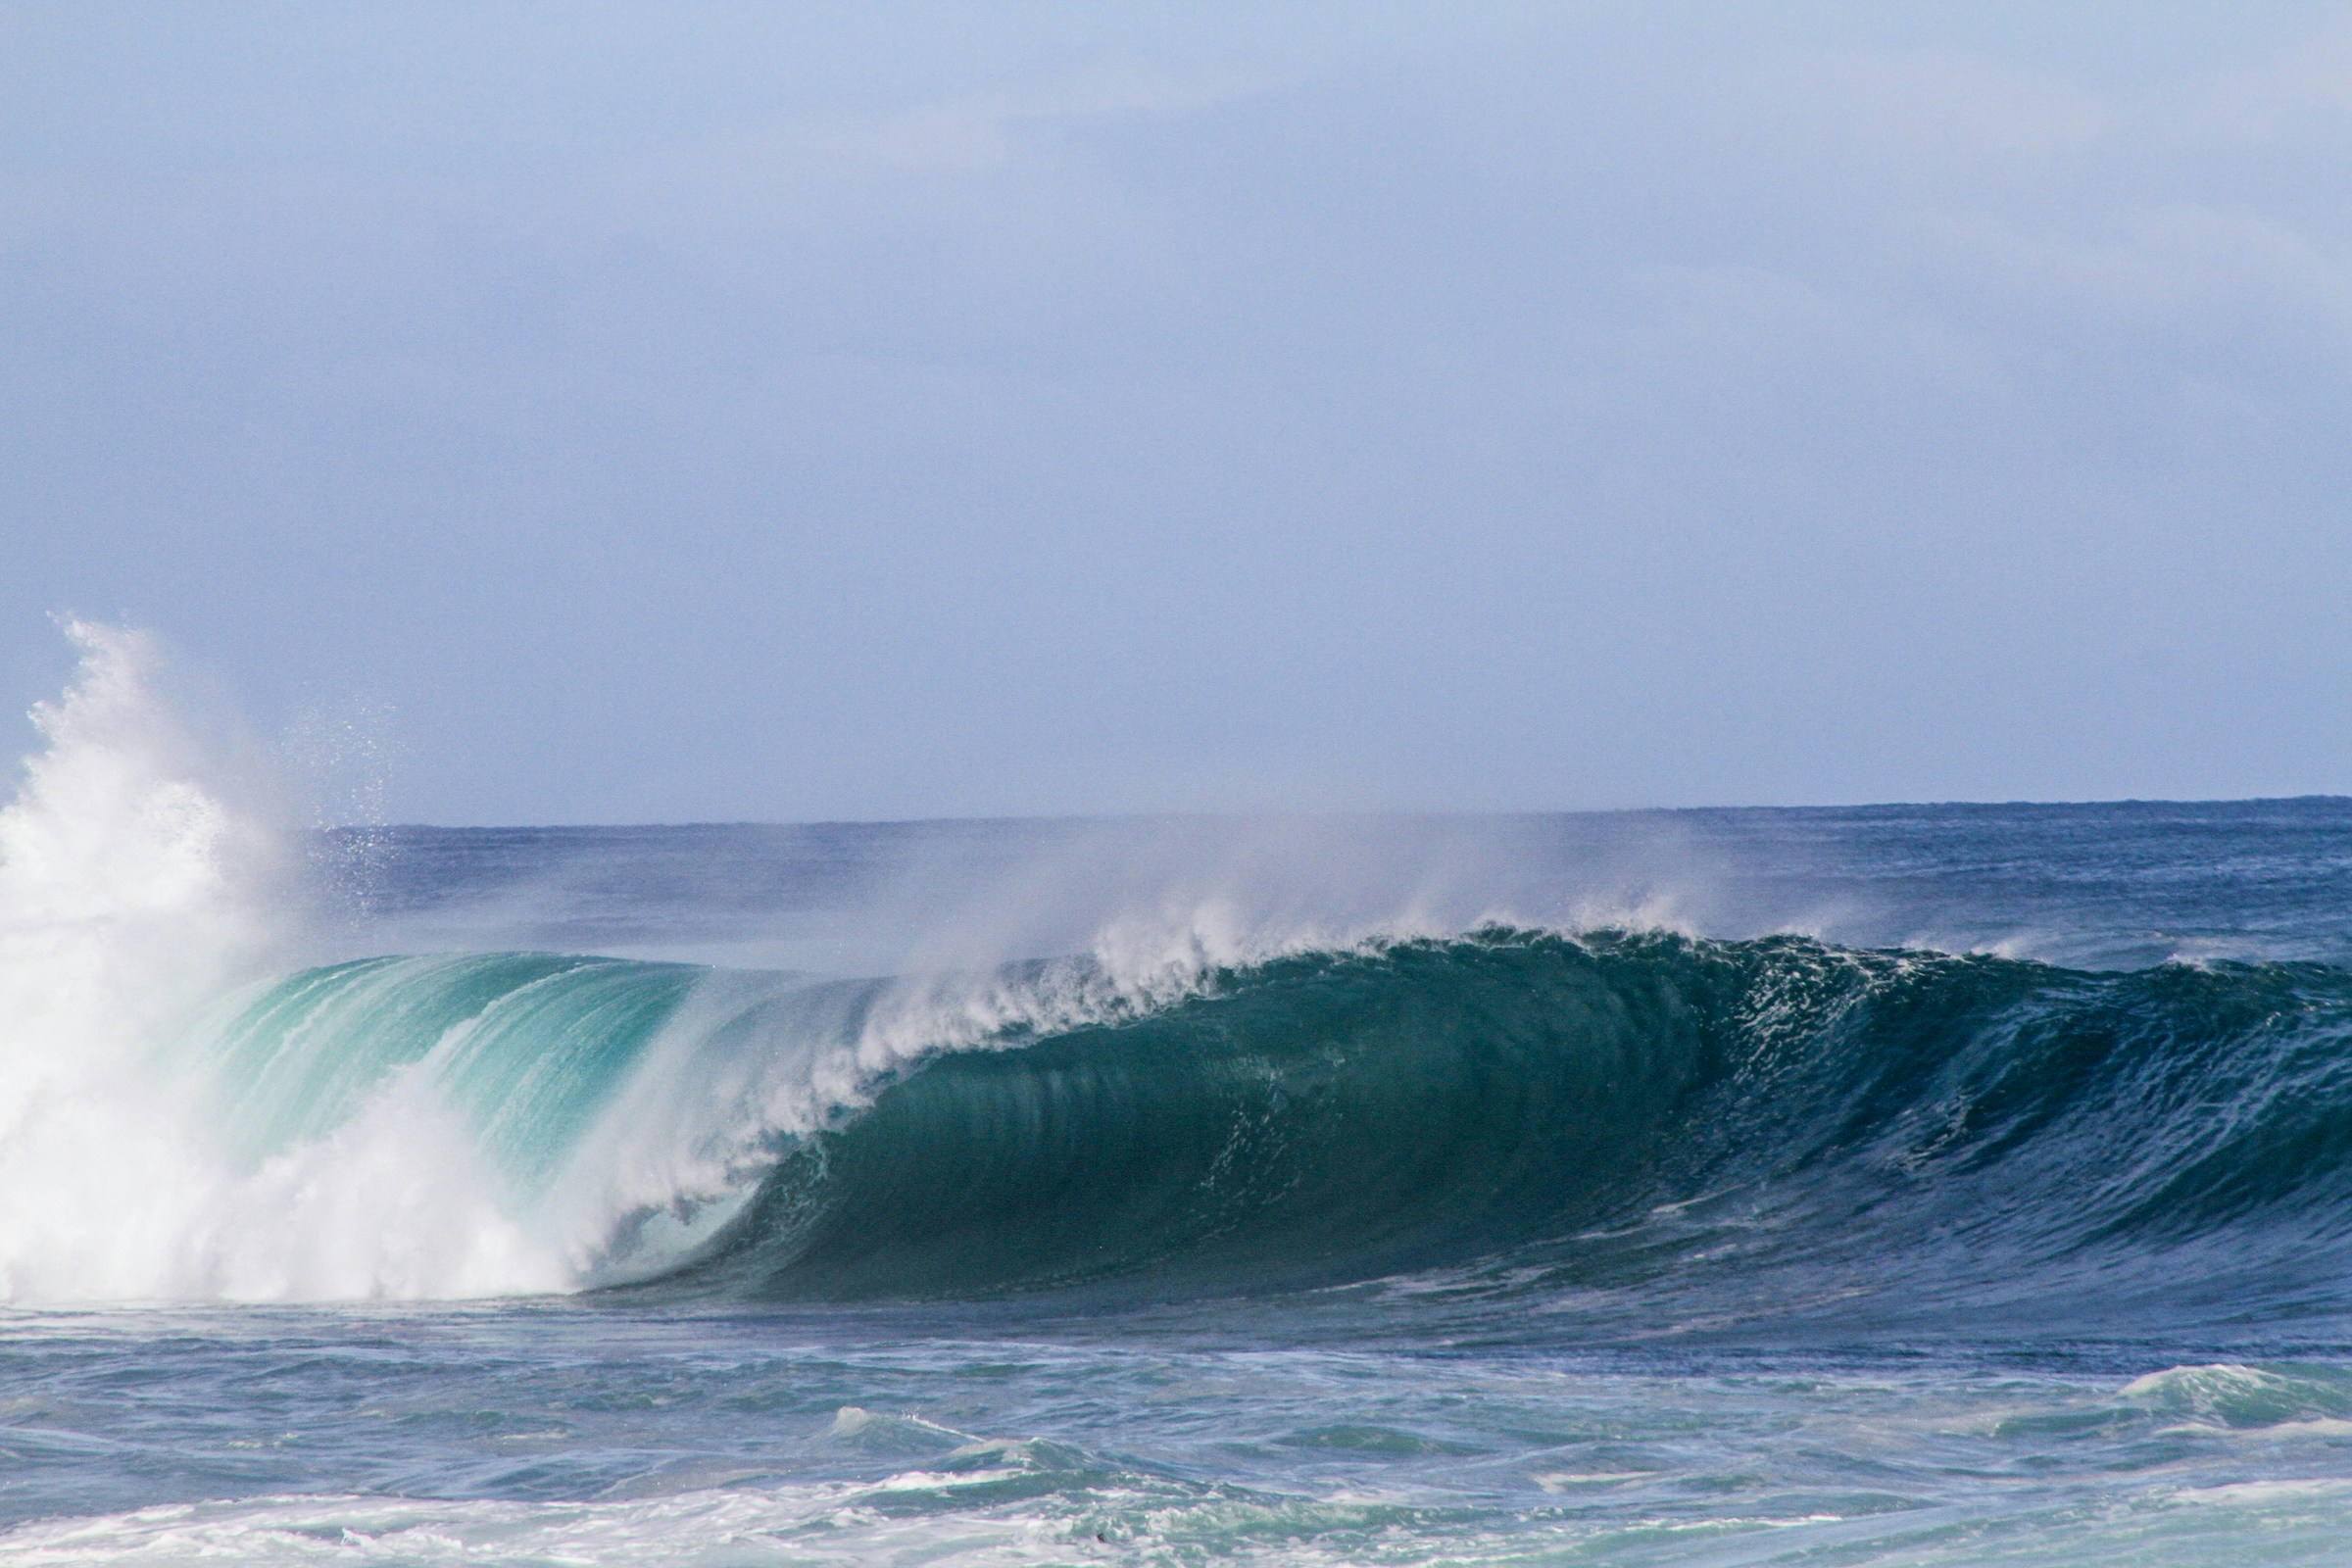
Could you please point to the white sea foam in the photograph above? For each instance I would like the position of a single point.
(135, 883)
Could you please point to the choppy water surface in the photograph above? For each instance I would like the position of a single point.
(576, 1434)
(1918, 1185)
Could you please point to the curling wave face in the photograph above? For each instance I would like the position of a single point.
(1635, 1126)
(1519, 1113)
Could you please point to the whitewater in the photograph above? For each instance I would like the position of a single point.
(1884, 1185)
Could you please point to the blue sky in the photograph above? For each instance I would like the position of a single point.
(601, 412)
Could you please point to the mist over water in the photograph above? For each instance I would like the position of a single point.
(1272, 1189)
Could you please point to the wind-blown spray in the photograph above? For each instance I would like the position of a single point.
(135, 886)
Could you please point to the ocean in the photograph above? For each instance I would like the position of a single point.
(1908, 1184)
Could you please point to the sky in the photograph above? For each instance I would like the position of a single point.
(703, 412)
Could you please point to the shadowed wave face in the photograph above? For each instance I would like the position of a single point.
(1548, 1113)
(1633, 1122)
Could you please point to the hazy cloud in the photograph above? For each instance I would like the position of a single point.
(780, 413)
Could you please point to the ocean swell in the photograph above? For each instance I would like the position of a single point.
(1510, 1109)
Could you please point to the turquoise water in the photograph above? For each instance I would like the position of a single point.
(1925, 1185)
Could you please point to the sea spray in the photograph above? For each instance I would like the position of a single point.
(129, 891)
(134, 885)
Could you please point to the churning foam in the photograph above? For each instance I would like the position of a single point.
(134, 885)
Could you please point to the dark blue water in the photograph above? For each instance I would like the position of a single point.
(1907, 1183)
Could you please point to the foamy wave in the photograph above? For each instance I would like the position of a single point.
(135, 887)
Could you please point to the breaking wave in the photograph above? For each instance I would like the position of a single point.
(1603, 1109)
(1531, 1115)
